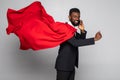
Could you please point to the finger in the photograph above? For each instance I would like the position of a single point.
(100, 34)
(81, 22)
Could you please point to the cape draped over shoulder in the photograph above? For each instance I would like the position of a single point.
(36, 29)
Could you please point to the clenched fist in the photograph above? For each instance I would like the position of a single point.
(98, 36)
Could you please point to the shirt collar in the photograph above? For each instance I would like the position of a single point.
(71, 24)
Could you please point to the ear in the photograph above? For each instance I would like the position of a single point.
(69, 17)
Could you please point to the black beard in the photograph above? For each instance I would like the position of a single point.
(75, 24)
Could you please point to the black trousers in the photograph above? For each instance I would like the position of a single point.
(65, 75)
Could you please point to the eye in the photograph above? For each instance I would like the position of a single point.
(76, 17)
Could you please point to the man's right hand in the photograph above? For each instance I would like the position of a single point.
(98, 36)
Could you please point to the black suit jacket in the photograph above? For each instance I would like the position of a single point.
(68, 55)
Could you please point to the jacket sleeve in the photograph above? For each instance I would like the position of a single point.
(81, 36)
(81, 42)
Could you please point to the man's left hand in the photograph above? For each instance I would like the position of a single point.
(81, 26)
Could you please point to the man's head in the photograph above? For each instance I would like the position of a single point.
(74, 16)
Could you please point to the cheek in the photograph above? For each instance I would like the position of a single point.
(73, 19)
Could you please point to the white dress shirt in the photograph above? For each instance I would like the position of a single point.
(76, 27)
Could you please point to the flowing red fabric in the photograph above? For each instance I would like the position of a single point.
(36, 29)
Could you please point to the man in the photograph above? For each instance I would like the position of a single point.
(68, 55)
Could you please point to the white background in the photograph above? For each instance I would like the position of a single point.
(97, 62)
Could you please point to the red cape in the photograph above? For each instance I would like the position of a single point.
(36, 29)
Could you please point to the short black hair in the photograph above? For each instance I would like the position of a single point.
(74, 10)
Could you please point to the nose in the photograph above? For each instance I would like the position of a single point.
(76, 18)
